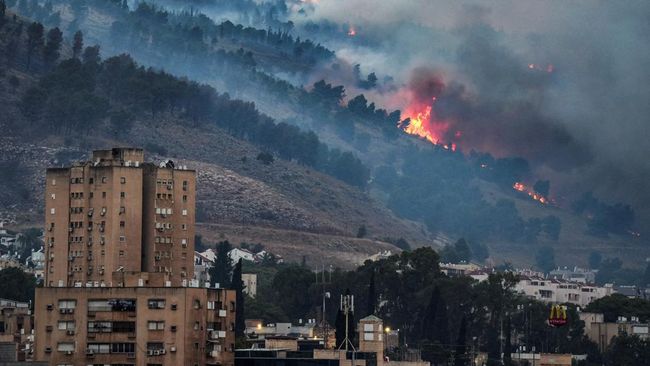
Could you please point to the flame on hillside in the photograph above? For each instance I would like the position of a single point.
(420, 120)
(521, 187)
(352, 31)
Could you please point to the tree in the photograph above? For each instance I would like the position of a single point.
(627, 350)
(265, 158)
(462, 250)
(238, 286)
(17, 285)
(221, 271)
(34, 40)
(3, 9)
(545, 259)
(460, 354)
(53, 46)
(372, 296)
(91, 55)
(78, 44)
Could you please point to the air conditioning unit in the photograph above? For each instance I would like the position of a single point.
(222, 313)
(172, 349)
(71, 258)
(70, 230)
(70, 310)
(101, 229)
(102, 242)
(101, 271)
(150, 352)
(90, 352)
(69, 332)
(156, 353)
(51, 244)
(90, 257)
(49, 228)
(63, 311)
(49, 328)
(90, 228)
(69, 352)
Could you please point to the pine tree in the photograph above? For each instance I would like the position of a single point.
(428, 323)
(78, 44)
(238, 286)
(372, 296)
(53, 46)
(339, 325)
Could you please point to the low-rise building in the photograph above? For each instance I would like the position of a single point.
(250, 284)
(575, 274)
(16, 324)
(557, 291)
(601, 332)
(238, 253)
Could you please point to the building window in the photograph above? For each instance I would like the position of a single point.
(99, 348)
(156, 303)
(121, 253)
(52, 211)
(100, 327)
(185, 185)
(66, 325)
(53, 182)
(184, 198)
(53, 196)
(65, 347)
(183, 227)
(155, 346)
(91, 194)
(184, 212)
(122, 194)
(103, 194)
(123, 180)
(122, 224)
(123, 348)
(156, 325)
(91, 180)
(67, 304)
(122, 238)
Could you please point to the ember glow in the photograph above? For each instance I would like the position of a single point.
(352, 32)
(548, 68)
(422, 122)
(521, 187)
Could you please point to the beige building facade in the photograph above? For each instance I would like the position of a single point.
(119, 283)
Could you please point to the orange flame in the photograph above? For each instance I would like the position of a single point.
(422, 123)
(521, 187)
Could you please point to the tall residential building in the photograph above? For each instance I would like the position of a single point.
(119, 286)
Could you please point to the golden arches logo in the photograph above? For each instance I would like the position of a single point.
(558, 315)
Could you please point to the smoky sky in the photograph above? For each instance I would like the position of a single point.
(585, 124)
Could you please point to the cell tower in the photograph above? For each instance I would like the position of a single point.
(347, 307)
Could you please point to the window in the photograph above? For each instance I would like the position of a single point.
(100, 327)
(65, 347)
(155, 346)
(53, 196)
(156, 304)
(122, 238)
(156, 325)
(99, 348)
(123, 327)
(91, 180)
(53, 182)
(122, 224)
(122, 194)
(121, 253)
(52, 211)
(184, 212)
(122, 210)
(99, 305)
(184, 198)
(183, 227)
(123, 180)
(103, 194)
(67, 304)
(66, 325)
(91, 194)
(185, 185)
(123, 348)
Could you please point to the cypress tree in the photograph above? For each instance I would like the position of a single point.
(238, 286)
(372, 296)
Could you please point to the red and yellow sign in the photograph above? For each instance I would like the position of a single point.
(558, 316)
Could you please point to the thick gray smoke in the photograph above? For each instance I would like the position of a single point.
(565, 84)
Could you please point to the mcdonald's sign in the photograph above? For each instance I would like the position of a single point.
(558, 316)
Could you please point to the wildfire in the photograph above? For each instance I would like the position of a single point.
(352, 32)
(521, 187)
(422, 123)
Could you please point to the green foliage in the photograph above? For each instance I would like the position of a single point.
(52, 47)
(617, 305)
(604, 218)
(238, 286)
(17, 285)
(627, 350)
(221, 272)
(265, 158)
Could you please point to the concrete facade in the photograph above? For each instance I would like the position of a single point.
(119, 283)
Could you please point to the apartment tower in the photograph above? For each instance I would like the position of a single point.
(119, 286)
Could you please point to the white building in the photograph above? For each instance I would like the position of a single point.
(238, 253)
(556, 291)
(575, 274)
